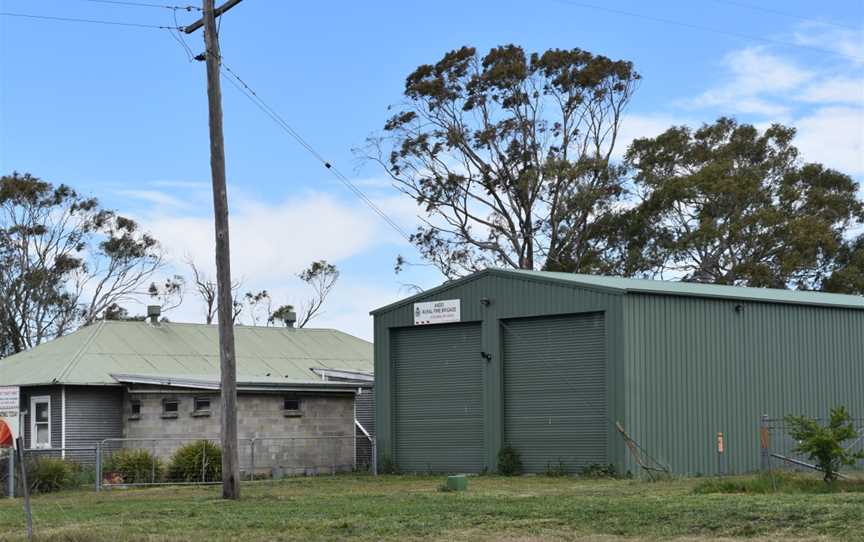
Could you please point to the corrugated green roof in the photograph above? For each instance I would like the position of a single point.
(661, 287)
(91, 354)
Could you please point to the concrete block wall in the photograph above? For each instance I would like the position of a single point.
(322, 431)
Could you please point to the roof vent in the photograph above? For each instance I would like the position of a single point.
(153, 313)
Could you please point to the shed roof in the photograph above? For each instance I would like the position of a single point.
(93, 353)
(623, 285)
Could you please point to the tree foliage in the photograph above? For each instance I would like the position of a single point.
(825, 445)
(729, 204)
(509, 154)
(64, 260)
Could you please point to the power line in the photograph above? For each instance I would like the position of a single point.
(707, 28)
(247, 91)
(784, 14)
(144, 5)
(92, 21)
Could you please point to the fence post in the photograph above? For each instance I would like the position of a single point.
(252, 459)
(765, 444)
(153, 464)
(11, 473)
(374, 457)
(98, 466)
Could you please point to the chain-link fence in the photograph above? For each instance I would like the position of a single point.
(7, 478)
(197, 460)
(778, 448)
(188, 460)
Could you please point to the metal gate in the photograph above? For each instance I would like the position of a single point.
(555, 391)
(438, 398)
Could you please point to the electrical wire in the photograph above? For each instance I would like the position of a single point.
(784, 14)
(253, 96)
(144, 5)
(707, 28)
(92, 21)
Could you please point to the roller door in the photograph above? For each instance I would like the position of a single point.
(555, 390)
(438, 398)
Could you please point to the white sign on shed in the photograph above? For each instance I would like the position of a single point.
(437, 312)
(10, 397)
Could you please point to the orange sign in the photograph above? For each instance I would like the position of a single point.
(5, 435)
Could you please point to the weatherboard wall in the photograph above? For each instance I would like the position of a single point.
(695, 367)
(509, 297)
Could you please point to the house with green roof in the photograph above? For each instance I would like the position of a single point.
(155, 385)
(552, 364)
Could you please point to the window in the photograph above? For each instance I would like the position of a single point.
(202, 406)
(291, 405)
(40, 422)
(170, 407)
(134, 409)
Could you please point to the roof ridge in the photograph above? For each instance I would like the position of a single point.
(77, 356)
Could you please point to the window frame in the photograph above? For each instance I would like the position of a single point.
(196, 411)
(34, 400)
(132, 404)
(174, 414)
(292, 412)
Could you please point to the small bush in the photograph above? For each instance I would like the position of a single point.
(134, 467)
(509, 461)
(556, 470)
(388, 466)
(199, 461)
(598, 470)
(47, 474)
(825, 445)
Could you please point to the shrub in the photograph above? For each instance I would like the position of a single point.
(388, 466)
(556, 470)
(824, 445)
(509, 461)
(199, 461)
(47, 474)
(598, 470)
(134, 467)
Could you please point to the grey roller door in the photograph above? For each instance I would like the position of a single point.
(438, 391)
(555, 390)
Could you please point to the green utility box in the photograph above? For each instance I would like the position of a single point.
(457, 483)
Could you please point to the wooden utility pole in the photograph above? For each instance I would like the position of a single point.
(227, 358)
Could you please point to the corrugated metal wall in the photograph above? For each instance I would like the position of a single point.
(93, 413)
(555, 391)
(508, 297)
(364, 410)
(696, 367)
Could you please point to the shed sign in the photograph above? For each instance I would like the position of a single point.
(10, 397)
(437, 312)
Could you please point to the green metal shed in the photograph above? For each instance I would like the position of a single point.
(549, 362)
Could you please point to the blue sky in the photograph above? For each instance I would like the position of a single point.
(120, 112)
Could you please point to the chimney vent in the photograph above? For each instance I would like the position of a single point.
(153, 313)
(290, 319)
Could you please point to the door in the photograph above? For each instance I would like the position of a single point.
(438, 410)
(555, 391)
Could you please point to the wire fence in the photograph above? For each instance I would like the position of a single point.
(779, 449)
(192, 460)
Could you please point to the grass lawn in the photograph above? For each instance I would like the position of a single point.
(405, 508)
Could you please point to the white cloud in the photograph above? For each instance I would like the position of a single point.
(833, 136)
(635, 126)
(754, 76)
(155, 197)
(839, 90)
(846, 42)
(270, 241)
